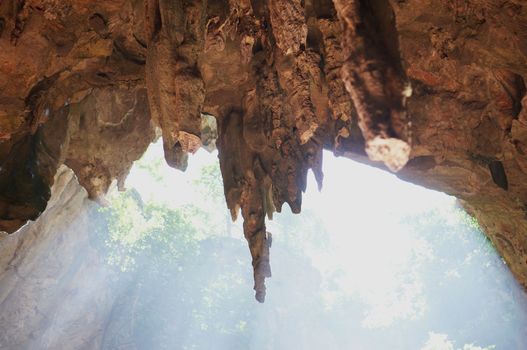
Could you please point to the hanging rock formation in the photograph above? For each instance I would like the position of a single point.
(435, 91)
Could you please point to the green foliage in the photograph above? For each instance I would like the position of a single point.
(154, 166)
(467, 219)
(190, 282)
(210, 183)
(136, 229)
(300, 233)
(165, 252)
(463, 256)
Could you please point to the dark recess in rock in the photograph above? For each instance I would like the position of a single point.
(2, 26)
(498, 174)
(98, 24)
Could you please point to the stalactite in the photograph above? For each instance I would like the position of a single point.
(293, 63)
(245, 187)
(175, 87)
(376, 85)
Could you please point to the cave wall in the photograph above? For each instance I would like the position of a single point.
(433, 90)
(49, 274)
(57, 290)
(468, 64)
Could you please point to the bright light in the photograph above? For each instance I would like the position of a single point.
(371, 263)
(366, 250)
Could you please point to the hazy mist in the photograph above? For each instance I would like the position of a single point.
(371, 263)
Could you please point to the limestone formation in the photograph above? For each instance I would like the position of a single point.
(433, 90)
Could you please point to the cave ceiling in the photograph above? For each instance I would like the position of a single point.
(432, 90)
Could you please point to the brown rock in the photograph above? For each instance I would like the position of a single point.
(284, 79)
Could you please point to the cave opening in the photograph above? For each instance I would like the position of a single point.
(372, 263)
(433, 91)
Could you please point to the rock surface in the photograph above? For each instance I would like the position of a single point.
(434, 90)
(49, 273)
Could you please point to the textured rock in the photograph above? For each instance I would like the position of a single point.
(49, 273)
(468, 62)
(375, 79)
(71, 83)
(176, 91)
(435, 89)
